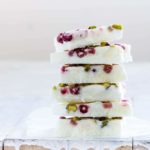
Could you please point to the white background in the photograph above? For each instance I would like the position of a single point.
(27, 27)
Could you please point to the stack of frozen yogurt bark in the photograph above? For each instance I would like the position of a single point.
(91, 94)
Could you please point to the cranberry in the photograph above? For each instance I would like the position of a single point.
(81, 53)
(91, 51)
(64, 90)
(67, 37)
(70, 53)
(75, 90)
(83, 108)
(107, 105)
(107, 68)
(63, 69)
(60, 38)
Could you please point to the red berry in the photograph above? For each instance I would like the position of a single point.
(81, 53)
(63, 69)
(70, 53)
(67, 37)
(83, 108)
(75, 90)
(108, 68)
(91, 51)
(64, 90)
(107, 105)
(60, 38)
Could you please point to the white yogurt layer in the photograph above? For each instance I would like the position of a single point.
(85, 37)
(100, 55)
(88, 128)
(94, 109)
(93, 74)
(93, 92)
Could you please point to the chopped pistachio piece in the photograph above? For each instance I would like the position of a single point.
(54, 88)
(91, 27)
(117, 26)
(104, 43)
(104, 123)
(75, 118)
(61, 84)
(71, 107)
(87, 68)
(106, 85)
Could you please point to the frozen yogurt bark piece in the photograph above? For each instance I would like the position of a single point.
(89, 127)
(107, 54)
(90, 36)
(89, 92)
(95, 109)
(92, 73)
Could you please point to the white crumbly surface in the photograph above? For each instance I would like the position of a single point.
(96, 109)
(42, 124)
(84, 37)
(103, 55)
(79, 75)
(94, 92)
(88, 128)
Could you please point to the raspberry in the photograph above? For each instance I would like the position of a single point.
(63, 69)
(75, 90)
(107, 105)
(83, 108)
(107, 68)
(81, 53)
(60, 38)
(91, 51)
(71, 52)
(67, 37)
(64, 90)
(64, 37)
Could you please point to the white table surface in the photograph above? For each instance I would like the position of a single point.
(25, 86)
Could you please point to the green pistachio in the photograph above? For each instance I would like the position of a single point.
(87, 68)
(91, 27)
(104, 43)
(54, 88)
(71, 107)
(61, 84)
(104, 123)
(75, 118)
(106, 85)
(117, 26)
